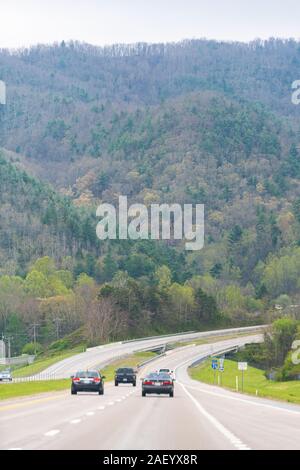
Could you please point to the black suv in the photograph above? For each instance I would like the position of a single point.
(87, 381)
(125, 375)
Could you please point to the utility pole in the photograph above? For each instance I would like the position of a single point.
(8, 340)
(9, 349)
(57, 322)
(35, 325)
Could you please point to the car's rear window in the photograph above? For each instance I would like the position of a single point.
(125, 370)
(83, 374)
(158, 376)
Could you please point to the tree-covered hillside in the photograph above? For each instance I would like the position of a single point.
(63, 99)
(35, 220)
(192, 122)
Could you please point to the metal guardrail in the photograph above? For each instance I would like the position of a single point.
(44, 376)
(157, 337)
(202, 334)
(148, 361)
(204, 356)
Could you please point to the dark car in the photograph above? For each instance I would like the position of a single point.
(125, 375)
(158, 383)
(87, 381)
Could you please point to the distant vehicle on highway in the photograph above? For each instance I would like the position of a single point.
(87, 381)
(166, 371)
(158, 383)
(125, 375)
(5, 375)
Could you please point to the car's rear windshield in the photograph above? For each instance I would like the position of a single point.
(125, 370)
(86, 374)
(162, 376)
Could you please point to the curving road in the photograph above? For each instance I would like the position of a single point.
(198, 417)
(99, 356)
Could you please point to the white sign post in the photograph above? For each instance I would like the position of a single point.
(2, 92)
(242, 366)
(221, 367)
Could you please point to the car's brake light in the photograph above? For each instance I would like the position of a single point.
(148, 382)
(167, 382)
(76, 379)
(97, 379)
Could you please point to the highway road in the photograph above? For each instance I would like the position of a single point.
(99, 356)
(198, 417)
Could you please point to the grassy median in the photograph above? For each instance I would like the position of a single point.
(13, 390)
(131, 361)
(43, 363)
(255, 381)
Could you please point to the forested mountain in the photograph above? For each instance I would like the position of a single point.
(63, 100)
(191, 122)
(35, 220)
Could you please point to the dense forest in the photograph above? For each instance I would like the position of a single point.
(192, 122)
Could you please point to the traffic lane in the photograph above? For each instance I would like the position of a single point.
(20, 419)
(65, 408)
(22, 423)
(262, 428)
(189, 354)
(98, 355)
(148, 423)
(260, 423)
(154, 422)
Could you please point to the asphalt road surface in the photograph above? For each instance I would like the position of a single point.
(198, 417)
(98, 356)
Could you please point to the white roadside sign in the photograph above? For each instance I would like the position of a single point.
(2, 92)
(242, 365)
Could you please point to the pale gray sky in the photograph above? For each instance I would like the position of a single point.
(100, 22)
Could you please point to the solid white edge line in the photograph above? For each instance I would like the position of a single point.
(243, 400)
(231, 396)
(234, 440)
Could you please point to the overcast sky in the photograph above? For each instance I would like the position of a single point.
(100, 22)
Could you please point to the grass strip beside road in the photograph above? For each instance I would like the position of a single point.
(254, 380)
(19, 389)
(43, 363)
(131, 361)
(14, 390)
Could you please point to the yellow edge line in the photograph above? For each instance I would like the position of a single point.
(31, 402)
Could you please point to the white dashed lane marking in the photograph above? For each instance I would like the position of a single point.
(51, 433)
(75, 421)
